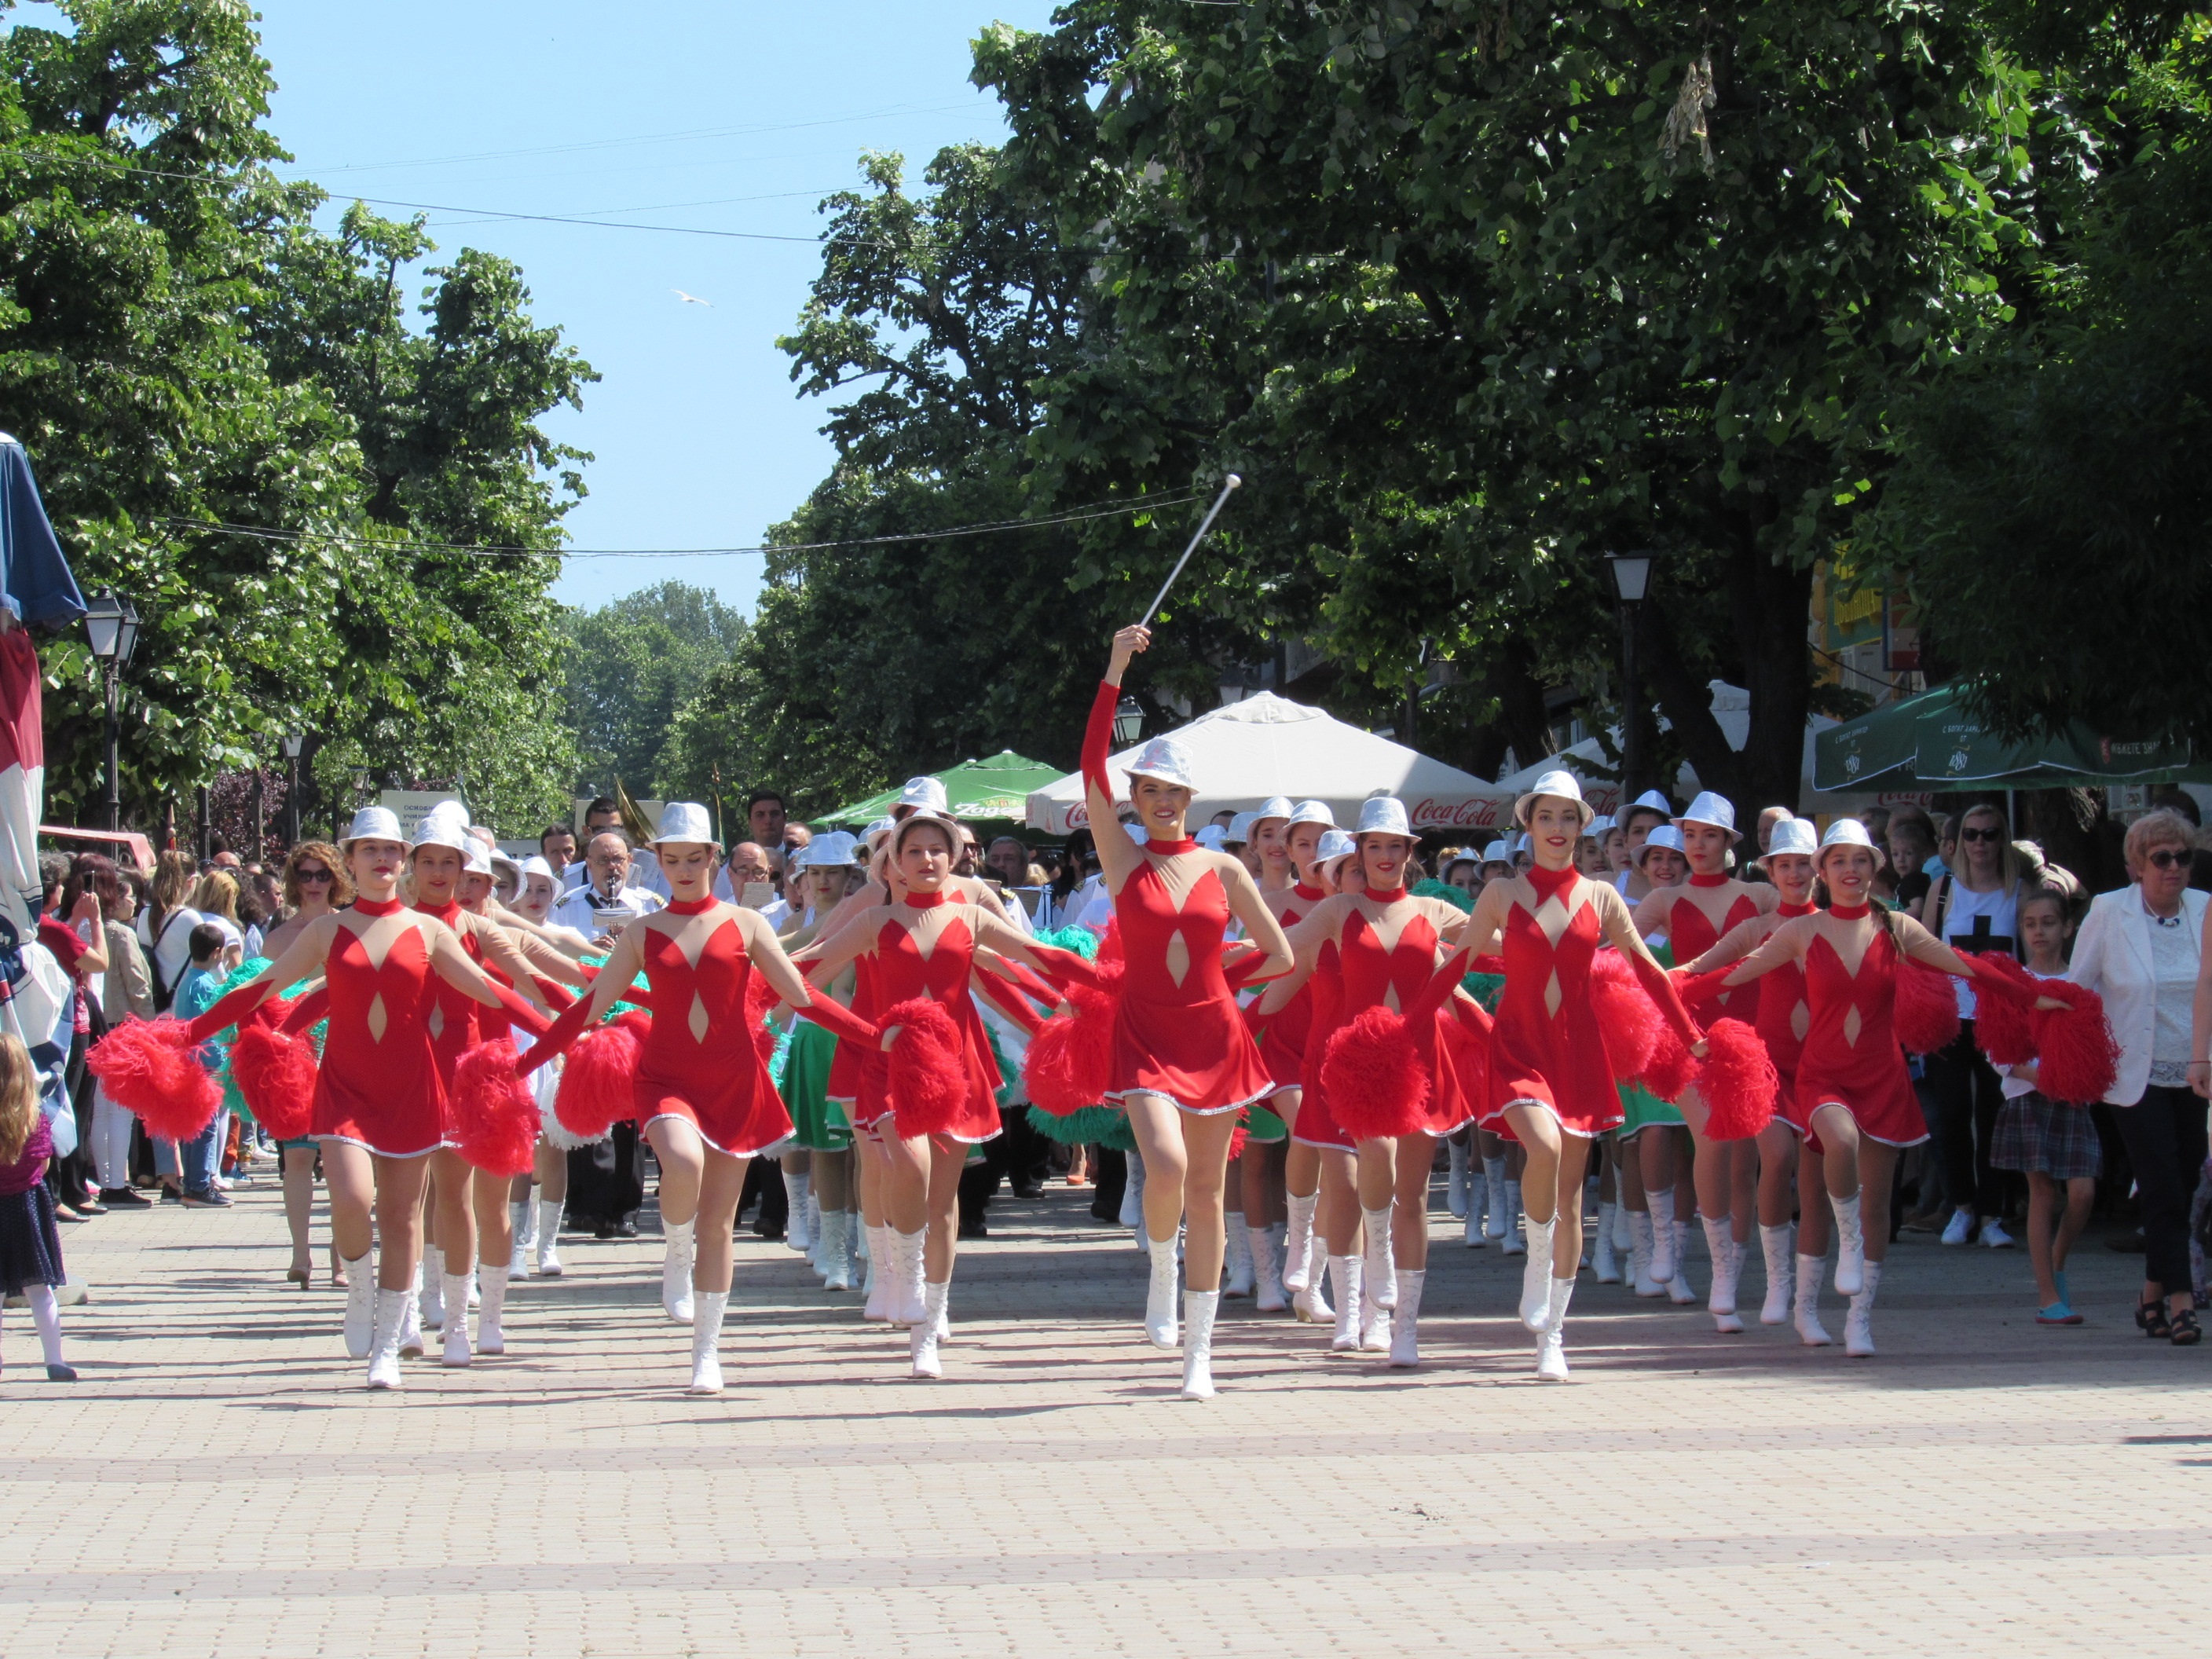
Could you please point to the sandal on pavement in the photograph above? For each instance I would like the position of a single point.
(2150, 1319)
(2186, 1333)
(2057, 1314)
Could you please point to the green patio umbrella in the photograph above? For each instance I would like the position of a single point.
(976, 790)
(1933, 741)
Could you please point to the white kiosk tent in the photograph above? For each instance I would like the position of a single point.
(1269, 745)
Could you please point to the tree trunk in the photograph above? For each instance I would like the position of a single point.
(1523, 723)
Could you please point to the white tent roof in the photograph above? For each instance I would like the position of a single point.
(1269, 745)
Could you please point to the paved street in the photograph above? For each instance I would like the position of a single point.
(220, 1482)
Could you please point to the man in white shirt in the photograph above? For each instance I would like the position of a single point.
(749, 862)
(600, 909)
(601, 814)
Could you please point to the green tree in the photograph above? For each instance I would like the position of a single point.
(629, 669)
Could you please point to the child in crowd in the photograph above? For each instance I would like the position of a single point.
(2053, 1144)
(30, 1243)
(196, 993)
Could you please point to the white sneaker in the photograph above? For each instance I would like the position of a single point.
(1994, 1234)
(1962, 1225)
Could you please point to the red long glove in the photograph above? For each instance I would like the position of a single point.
(555, 1039)
(1009, 1002)
(310, 1010)
(1660, 989)
(836, 1018)
(1097, 735)
(1245, 969)
(522, 1013)
(230, 1010)
(1067, 967)
(1031, 985)
(553, 992)
(1702, 987)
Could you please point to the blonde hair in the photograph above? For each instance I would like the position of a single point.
(2164, 827)
(173, 879)
(18, 1096)
(216, 893)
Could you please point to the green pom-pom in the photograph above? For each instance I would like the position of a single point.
(1101, 1126)
(1443, 890)
(1081, 940)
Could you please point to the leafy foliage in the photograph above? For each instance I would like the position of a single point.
(631, 667)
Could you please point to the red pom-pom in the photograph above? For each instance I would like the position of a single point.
(1494, 966)
(929, 1076)
(1737, 1081)
(1627, 1017)
(1070, 1062)
(1672, 1068)
(1924, 1012)
(1239, 1138)
(1377, 1085)
(2001, 1029)
(276, 1073)
(149, 1068)
(599, 1079)
(2077, 1055)
(494, 1112)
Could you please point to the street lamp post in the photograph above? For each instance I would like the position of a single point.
(111, 626)
(1631, 579)
(1128, 721)
(294, 742)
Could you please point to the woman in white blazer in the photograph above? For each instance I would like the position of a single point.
(2141, 949)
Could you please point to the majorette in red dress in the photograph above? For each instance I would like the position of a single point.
(707, 1072)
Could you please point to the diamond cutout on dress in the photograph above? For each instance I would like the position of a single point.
(1852, 1026)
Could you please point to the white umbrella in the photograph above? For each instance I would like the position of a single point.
(1269, 745)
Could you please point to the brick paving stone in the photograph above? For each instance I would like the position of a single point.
(220, 1483)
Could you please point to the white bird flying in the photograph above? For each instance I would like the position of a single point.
(691, 298)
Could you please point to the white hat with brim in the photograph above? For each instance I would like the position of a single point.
(1792, 834)
(1383, 814)
(1847, 832)
(950, 829)
(1166, 759)
(1599, 827)
(1240, 828)
(1210, 836)
(535, 866)
(1497, 852)
(875, 831)
(685, 823)
(1335, 847)
(1313, 811)
(922, 794)
(439, 829)
(834, 850)
(1711, 809)
(1666, 835)
(371, 824)
(1562, 786)
(501, 861)
(1275, 806)
(475, 858)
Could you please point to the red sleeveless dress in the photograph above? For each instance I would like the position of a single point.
(1781, 994)
(901, 972)
(1856, 1064)
(1187, 1042)
(1550, 1055)
(455, 1029)
(1317, 1125)
(1692, 935)
(383, 1093)
(718, 1083)
(1371, 972)
(1283, 1043)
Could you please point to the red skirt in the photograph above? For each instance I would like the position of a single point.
(742, 1116)
(1197, 1054)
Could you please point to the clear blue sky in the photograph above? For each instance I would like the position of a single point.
(558, 108)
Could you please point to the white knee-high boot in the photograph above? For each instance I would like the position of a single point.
(1727, 1270)
(676, 1261)
(798, 1235)
(1780, 1246)
(1311, 1302)
(1240, 1278)
(1160, 1294)
(922, 1335)
(1552, 1344)
(837, 1249)
(1500, 1199)
(361, 1307)
(392, 1308)
(456, 1346)
(1536, 1275)
(1267, 1293)
(1851, 1244)
(549, 1237)
(491, 1317)
(1810, 1331)
(1678, 1288)
(1297, 1242)
(1344, 1270)
(909, 1302)
(1662, 1236)
(429, 1291)
(1512, 1241)
(707, 1307)
(1405, 1318)
(1608, 1261)
(1378, 1273)
(881, 1253)
(519, 1218)
(1457, 1198)
(1640, 1233)
(1199, 1309)
(1858, 1323)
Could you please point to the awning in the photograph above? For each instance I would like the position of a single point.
(1933, 741)
(976, 790)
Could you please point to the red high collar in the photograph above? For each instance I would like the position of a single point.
(1164, 848)
(1697, 880)
(1548, 883)
(1849, 912)
(390, 907)
(1311, 895)
(1786, 908)
(927, 901)
(691, 907)
(444, 912)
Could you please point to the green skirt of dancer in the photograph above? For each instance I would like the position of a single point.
(818, 1123)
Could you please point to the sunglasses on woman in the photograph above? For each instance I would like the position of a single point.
(1981, 834)
(2167, 858)
(304, 874)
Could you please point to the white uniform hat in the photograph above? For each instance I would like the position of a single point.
(371, 824)
(1560, 784)
(535, 866)
(923, 795)
(685, 822)
(1211, 837)
(1649, 801)
(1498, 851)
(1313, 811)
(835, 849)
(1791, 834)
(1166, 759)
(476, 858)
(1524, 843)
(1847, 832)
(1715, 809)
(1383, 814)
(1335, 847)
(441, 828)
(1600, 826)
(1240, 828)
(1666, 835)
(943, 821)
(1275, 806)
(875, 831)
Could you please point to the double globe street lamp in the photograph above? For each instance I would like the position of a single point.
(111, 626)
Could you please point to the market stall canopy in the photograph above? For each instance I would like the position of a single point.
(1935, 742)
(1269, 745)
(976, 790)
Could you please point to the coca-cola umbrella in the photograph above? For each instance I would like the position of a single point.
(1269, 745)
